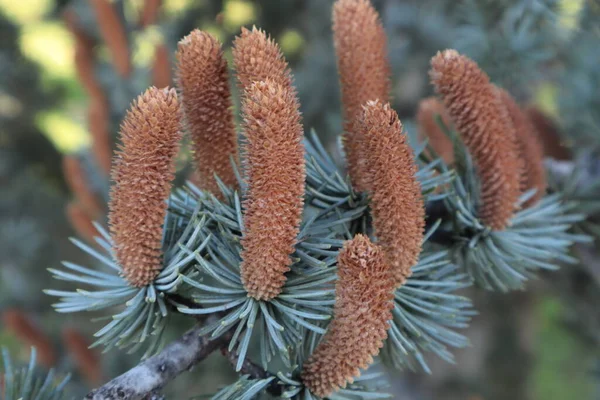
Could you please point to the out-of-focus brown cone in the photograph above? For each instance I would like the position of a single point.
(81, 222)
(549, 134)
(150, 12)
(87, 360)
(161, 67)
(84, 56)
(20, 325)
(429, 128)
(364, 294)
(98, 112)
(361, 50)
(531, 151)
(99, 127)
(78, 182)
(114, 35)
(485, 127)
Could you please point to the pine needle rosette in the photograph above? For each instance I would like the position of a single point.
(215, 284)
(143, 257)
(428, 312)
(28, 382)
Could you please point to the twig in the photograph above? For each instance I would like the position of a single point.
(154, 373)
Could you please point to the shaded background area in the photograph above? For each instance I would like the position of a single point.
(65, 82)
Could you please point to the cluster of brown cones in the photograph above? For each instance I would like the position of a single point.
(500, 136)
(380, 162)
(275, 175)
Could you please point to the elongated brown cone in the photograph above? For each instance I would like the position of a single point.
(257, 57)
(150, 12)
(483, 122)
(361, 50)
(114, 35)
(429, 129)
(78, 182)
(161, 67)
(364, 295)
(81, 221)
(396, 199)
(87, 360)
(275, 173)
(99, 127)
(84, 56)
(531, 151)
(548, 134)
(203, 80)
(19, 324)
(143, 170)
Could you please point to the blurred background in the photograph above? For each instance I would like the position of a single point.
(69, 68)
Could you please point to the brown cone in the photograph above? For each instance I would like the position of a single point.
(429, 129)
(361, 50)
(396, 199)
(143, 170)
(549, 134)
(202, 78)
(485, 127)
(19, 324)
(275, 173)
(114, 35)
(87, 360)
(531, 151)
(364, 296)
(257, 57)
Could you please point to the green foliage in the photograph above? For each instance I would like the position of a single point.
(28, 383)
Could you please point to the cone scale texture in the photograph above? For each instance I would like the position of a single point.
(531, 150)
(203, 80)
(485, 127)
(361, 51)
(362, 311)
(396, 200)
(275, 174)
(143, 170)
(257, 58)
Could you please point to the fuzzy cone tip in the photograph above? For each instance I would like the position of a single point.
(203, 80)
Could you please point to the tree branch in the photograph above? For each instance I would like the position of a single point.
(154, 373)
